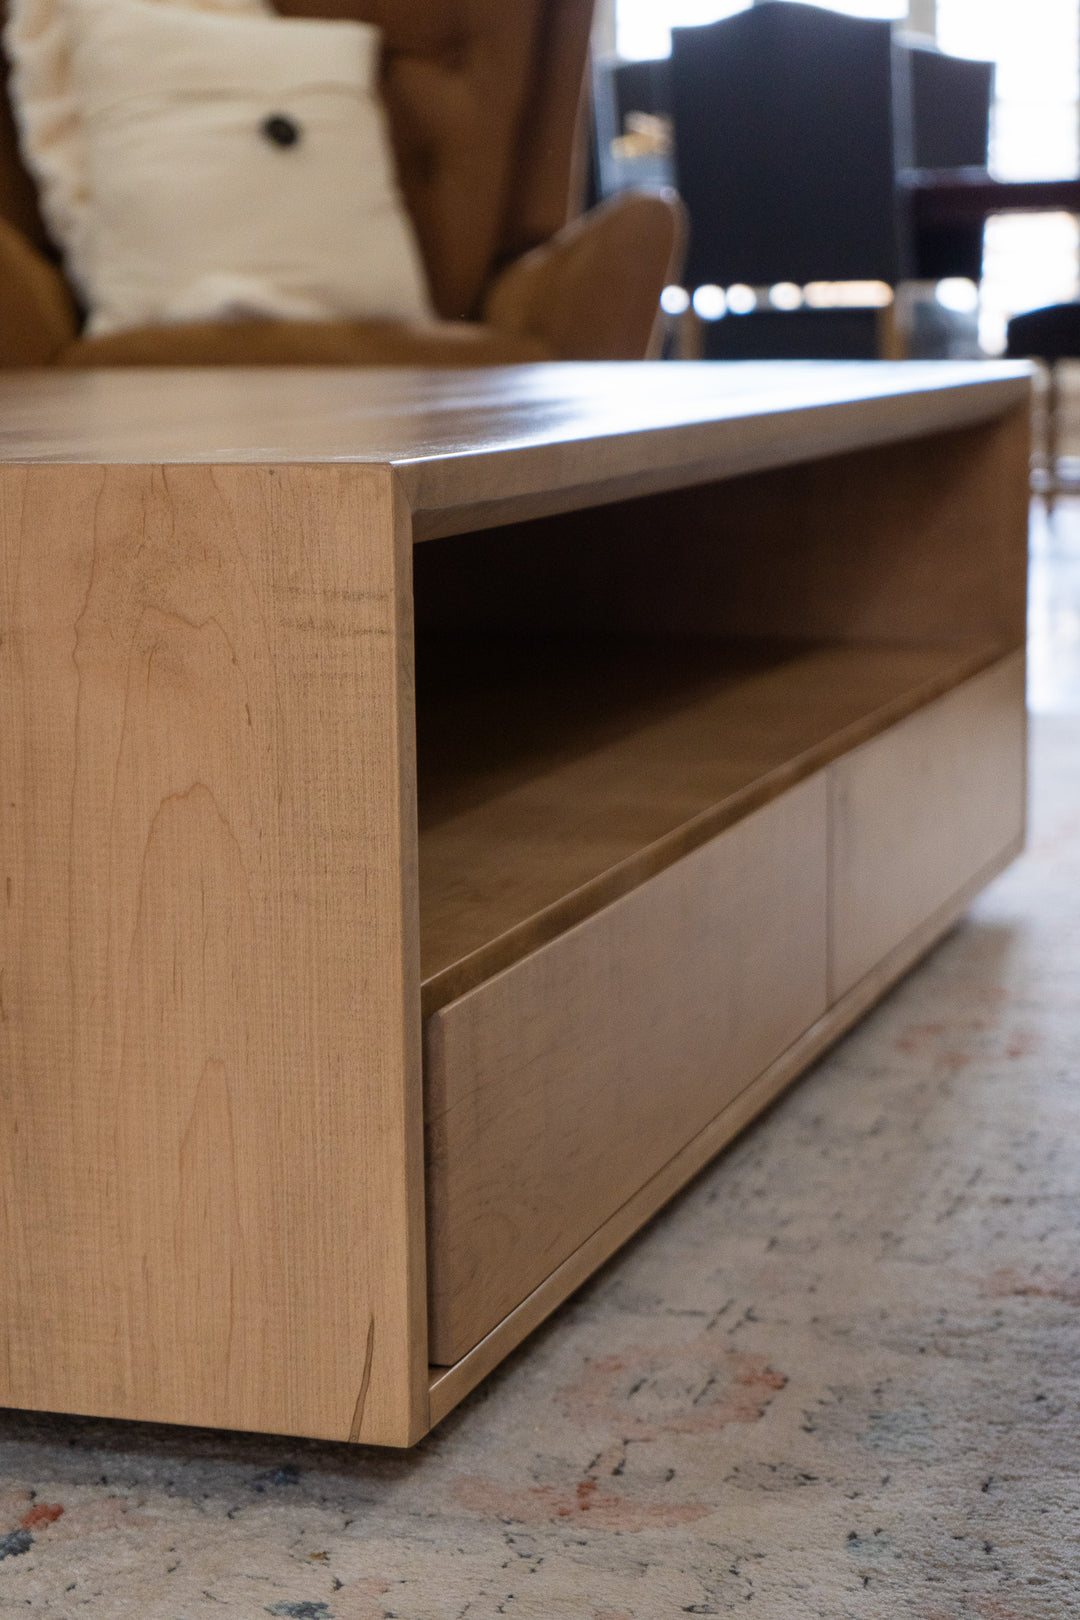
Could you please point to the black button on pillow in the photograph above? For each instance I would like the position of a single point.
(279, 130)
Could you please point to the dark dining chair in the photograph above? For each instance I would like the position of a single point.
(1050, 335)
(949, 100)
(784, 147)
(794, 127)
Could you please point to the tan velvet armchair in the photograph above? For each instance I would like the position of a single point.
(483, 98)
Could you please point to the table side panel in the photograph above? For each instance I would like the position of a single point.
(210, 1121)
(556, 1089)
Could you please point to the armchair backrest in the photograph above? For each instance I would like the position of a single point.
(482, 98)
(18, 200)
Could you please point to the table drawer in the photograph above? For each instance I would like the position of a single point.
(921, 810)
(556, 1089)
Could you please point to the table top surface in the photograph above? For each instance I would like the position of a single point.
(971, 177)
(500, 434)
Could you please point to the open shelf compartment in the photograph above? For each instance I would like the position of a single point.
(689, 768)
(555, 774)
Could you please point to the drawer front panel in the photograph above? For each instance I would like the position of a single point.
(556, 1089)
(920, 811)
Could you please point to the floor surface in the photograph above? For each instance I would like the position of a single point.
(837, 1378)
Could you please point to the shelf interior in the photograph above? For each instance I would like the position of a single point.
(557, 772)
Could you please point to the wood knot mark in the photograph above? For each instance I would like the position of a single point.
(365, 1381)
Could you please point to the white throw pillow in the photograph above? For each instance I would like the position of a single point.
(237, 166)
(37, 39)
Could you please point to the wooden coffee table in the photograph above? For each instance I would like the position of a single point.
(439, 810)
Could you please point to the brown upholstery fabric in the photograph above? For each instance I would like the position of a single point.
(37, 316)
(310, 343)
(590, 293)
(18, 199)
(549, 174)
(481, 97)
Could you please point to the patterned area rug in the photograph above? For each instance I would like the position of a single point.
(838, 1377)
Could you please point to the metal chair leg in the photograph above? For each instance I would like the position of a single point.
(1053, 427)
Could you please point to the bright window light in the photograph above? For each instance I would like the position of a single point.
(674, 300)
(1028, 259)
(958, 294)
(709, 302)
(785, 295)
(887, 10)
(643, 27)
(848, 294)
(1036, 47)
(741, 300)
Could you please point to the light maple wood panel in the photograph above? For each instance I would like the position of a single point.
(556, 774)
(210, 1117)
(915, 813)
(555, 1090)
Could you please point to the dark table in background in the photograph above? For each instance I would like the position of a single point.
(945, 198)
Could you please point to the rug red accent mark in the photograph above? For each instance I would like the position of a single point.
(1009, 1283)
(644, 1392)
(42, 1513)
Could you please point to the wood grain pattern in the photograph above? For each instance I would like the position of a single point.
(484, 446)
(210, 1116)
(557, 775)
(916, 812)
(211, 1150)
(449, 1385)
(554, 1090)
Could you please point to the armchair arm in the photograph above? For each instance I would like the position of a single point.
(592, 292)
(37, 315)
